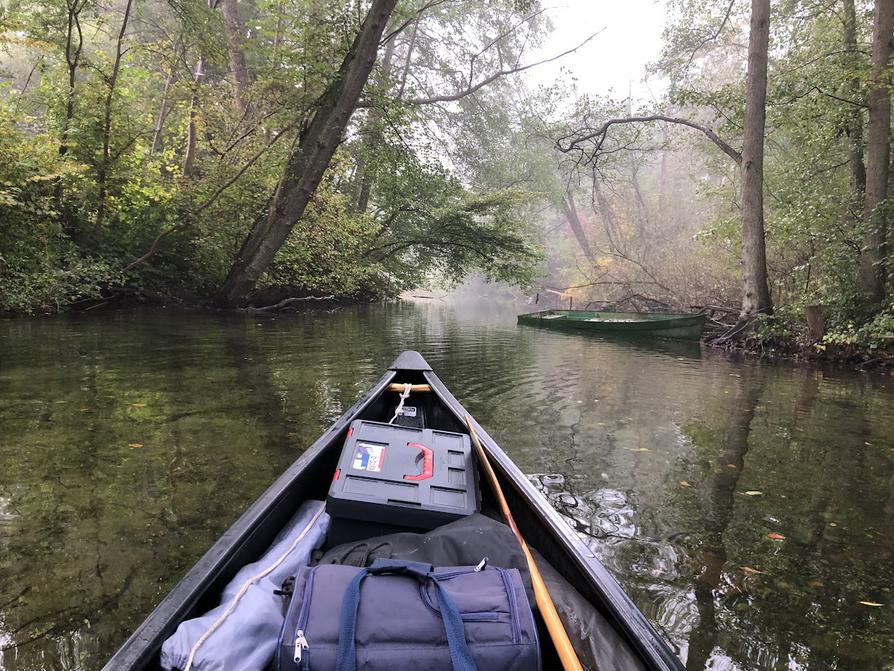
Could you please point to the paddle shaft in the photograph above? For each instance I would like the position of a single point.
(554, 625)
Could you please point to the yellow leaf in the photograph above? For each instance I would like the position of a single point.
(684, 483)
(753, 571)
(135, 445)
(753, 492)
(138, 405)
(874, 604)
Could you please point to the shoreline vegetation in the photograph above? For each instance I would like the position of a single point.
(255, 155)
(764, 343)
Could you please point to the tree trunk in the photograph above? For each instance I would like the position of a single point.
(163, 111)
(372, 135)
(872, 253)
(74, 44)
(408, 58)
(236, 54)
(192, 140)
(308, 161)
(756, 295)
(855, 117)
(105, 162)
(570, 210)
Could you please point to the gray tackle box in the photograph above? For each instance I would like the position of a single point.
(398, 478)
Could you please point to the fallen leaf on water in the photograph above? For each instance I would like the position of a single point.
(773, 536)
(874, 604)
(135, 445)
(684, 483)
(137, 405)
(753, 571)
(731, 466)
(754, 492)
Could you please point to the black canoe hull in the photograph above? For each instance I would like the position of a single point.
(309, 477)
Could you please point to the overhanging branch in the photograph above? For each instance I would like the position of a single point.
(472, 88)
(600, 134)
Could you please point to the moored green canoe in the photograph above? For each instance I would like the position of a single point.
(633, 324)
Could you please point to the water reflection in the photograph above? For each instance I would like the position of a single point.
(128, 442)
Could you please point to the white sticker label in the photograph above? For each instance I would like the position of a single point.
(369, 457)
(409, 411)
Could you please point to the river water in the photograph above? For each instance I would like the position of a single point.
(748, 509)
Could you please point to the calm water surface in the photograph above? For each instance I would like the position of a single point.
(748, 509)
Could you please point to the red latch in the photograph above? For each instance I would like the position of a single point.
(428, 463)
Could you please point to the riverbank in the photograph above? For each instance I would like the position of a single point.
(778, 349)
(784, 338)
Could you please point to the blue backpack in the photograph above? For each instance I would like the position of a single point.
(402, 615)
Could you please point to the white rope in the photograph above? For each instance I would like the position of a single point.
(235, 600)
(400, 406)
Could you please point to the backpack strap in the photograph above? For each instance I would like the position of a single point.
(346, 658)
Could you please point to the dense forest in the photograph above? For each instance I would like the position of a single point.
(234, 152)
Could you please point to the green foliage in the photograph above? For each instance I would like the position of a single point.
(420, 222)
(875, 334)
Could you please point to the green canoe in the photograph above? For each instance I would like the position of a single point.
(632, 324)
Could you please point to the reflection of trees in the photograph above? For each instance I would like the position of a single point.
(96, 531)
(719, 499)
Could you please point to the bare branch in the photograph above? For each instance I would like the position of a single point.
(713, 37)
(405, 24)
(472, 88)
(600, 134)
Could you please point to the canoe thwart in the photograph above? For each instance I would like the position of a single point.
(413, 387)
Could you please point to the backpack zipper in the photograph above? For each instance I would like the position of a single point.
(301, 649)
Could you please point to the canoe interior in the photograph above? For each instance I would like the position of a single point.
(309, 477)
(633, 324)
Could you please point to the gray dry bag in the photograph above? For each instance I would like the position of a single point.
(241, 633)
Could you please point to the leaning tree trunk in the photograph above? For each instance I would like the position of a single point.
(878, 132)
(756, 296)
(308, 161)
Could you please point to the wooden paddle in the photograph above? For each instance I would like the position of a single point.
(545, 603)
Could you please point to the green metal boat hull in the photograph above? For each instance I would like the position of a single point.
(622, 324)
